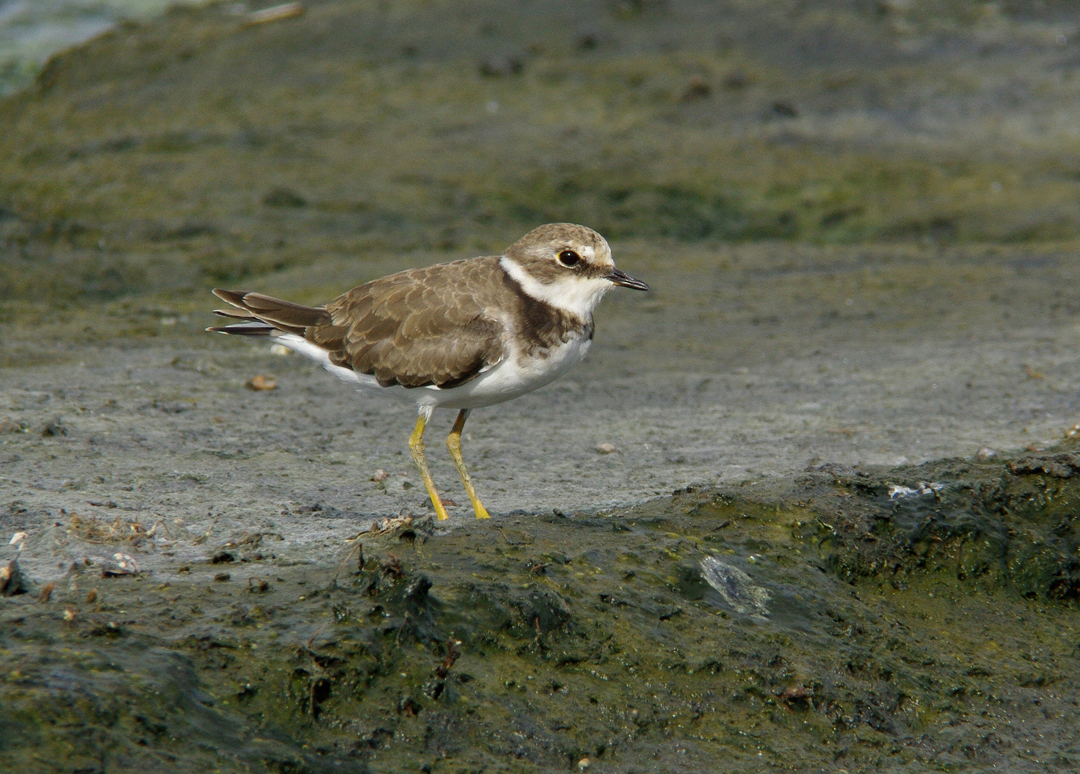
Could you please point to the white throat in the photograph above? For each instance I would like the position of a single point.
(574, 294)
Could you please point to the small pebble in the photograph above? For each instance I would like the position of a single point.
(261, 382)
(46, 592)
(11, 579)
(984, 454)
(583, 764)
(605, 448)
(380, 476)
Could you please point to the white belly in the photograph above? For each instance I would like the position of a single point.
(508, 379)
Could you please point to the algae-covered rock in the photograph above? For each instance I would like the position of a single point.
(795, 624)
(999, 526)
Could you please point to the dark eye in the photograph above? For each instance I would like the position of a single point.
(569, 258)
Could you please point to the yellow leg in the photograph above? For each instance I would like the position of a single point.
(416, 446)
(453, 443)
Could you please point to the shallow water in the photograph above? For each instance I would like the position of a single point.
(32, 31)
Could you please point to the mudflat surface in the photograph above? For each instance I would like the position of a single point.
(860, 224)
(744, 364)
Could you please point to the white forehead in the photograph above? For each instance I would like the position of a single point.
(588, 252)
(592, 253)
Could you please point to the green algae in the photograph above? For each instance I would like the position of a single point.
(930, 629)
(154, 158)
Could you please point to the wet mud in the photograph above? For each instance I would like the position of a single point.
(921, 618)
(809, 506)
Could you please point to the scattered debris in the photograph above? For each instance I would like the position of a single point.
(202, 538)
(273, 14)
(736, 587)
(898, 491)
(453, 653)
(46, 592)
(262, 382)
(121, 565)
(797, 697)
(8, 425)
(94, 530)
(387, 525)
(358, 551)
(53, 429)
(12, 581)
(435, 687)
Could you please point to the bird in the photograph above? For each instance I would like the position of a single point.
(461, 335)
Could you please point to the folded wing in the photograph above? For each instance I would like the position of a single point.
(420, 328)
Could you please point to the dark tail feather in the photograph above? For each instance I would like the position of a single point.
(244, 329)
(235, 314)
(282, 315)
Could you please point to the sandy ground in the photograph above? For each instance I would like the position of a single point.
(775, 360)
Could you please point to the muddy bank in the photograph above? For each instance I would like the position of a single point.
(865, 619)
(198, 150)
(862, 244)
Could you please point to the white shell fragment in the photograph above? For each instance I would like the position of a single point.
(896, 491)
(120, 564)
(736, 587)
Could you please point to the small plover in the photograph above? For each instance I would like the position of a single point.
(459, 335)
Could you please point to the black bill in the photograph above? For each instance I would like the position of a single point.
(622, 279)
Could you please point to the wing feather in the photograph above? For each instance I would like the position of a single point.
(418, 328)
(425, 327)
